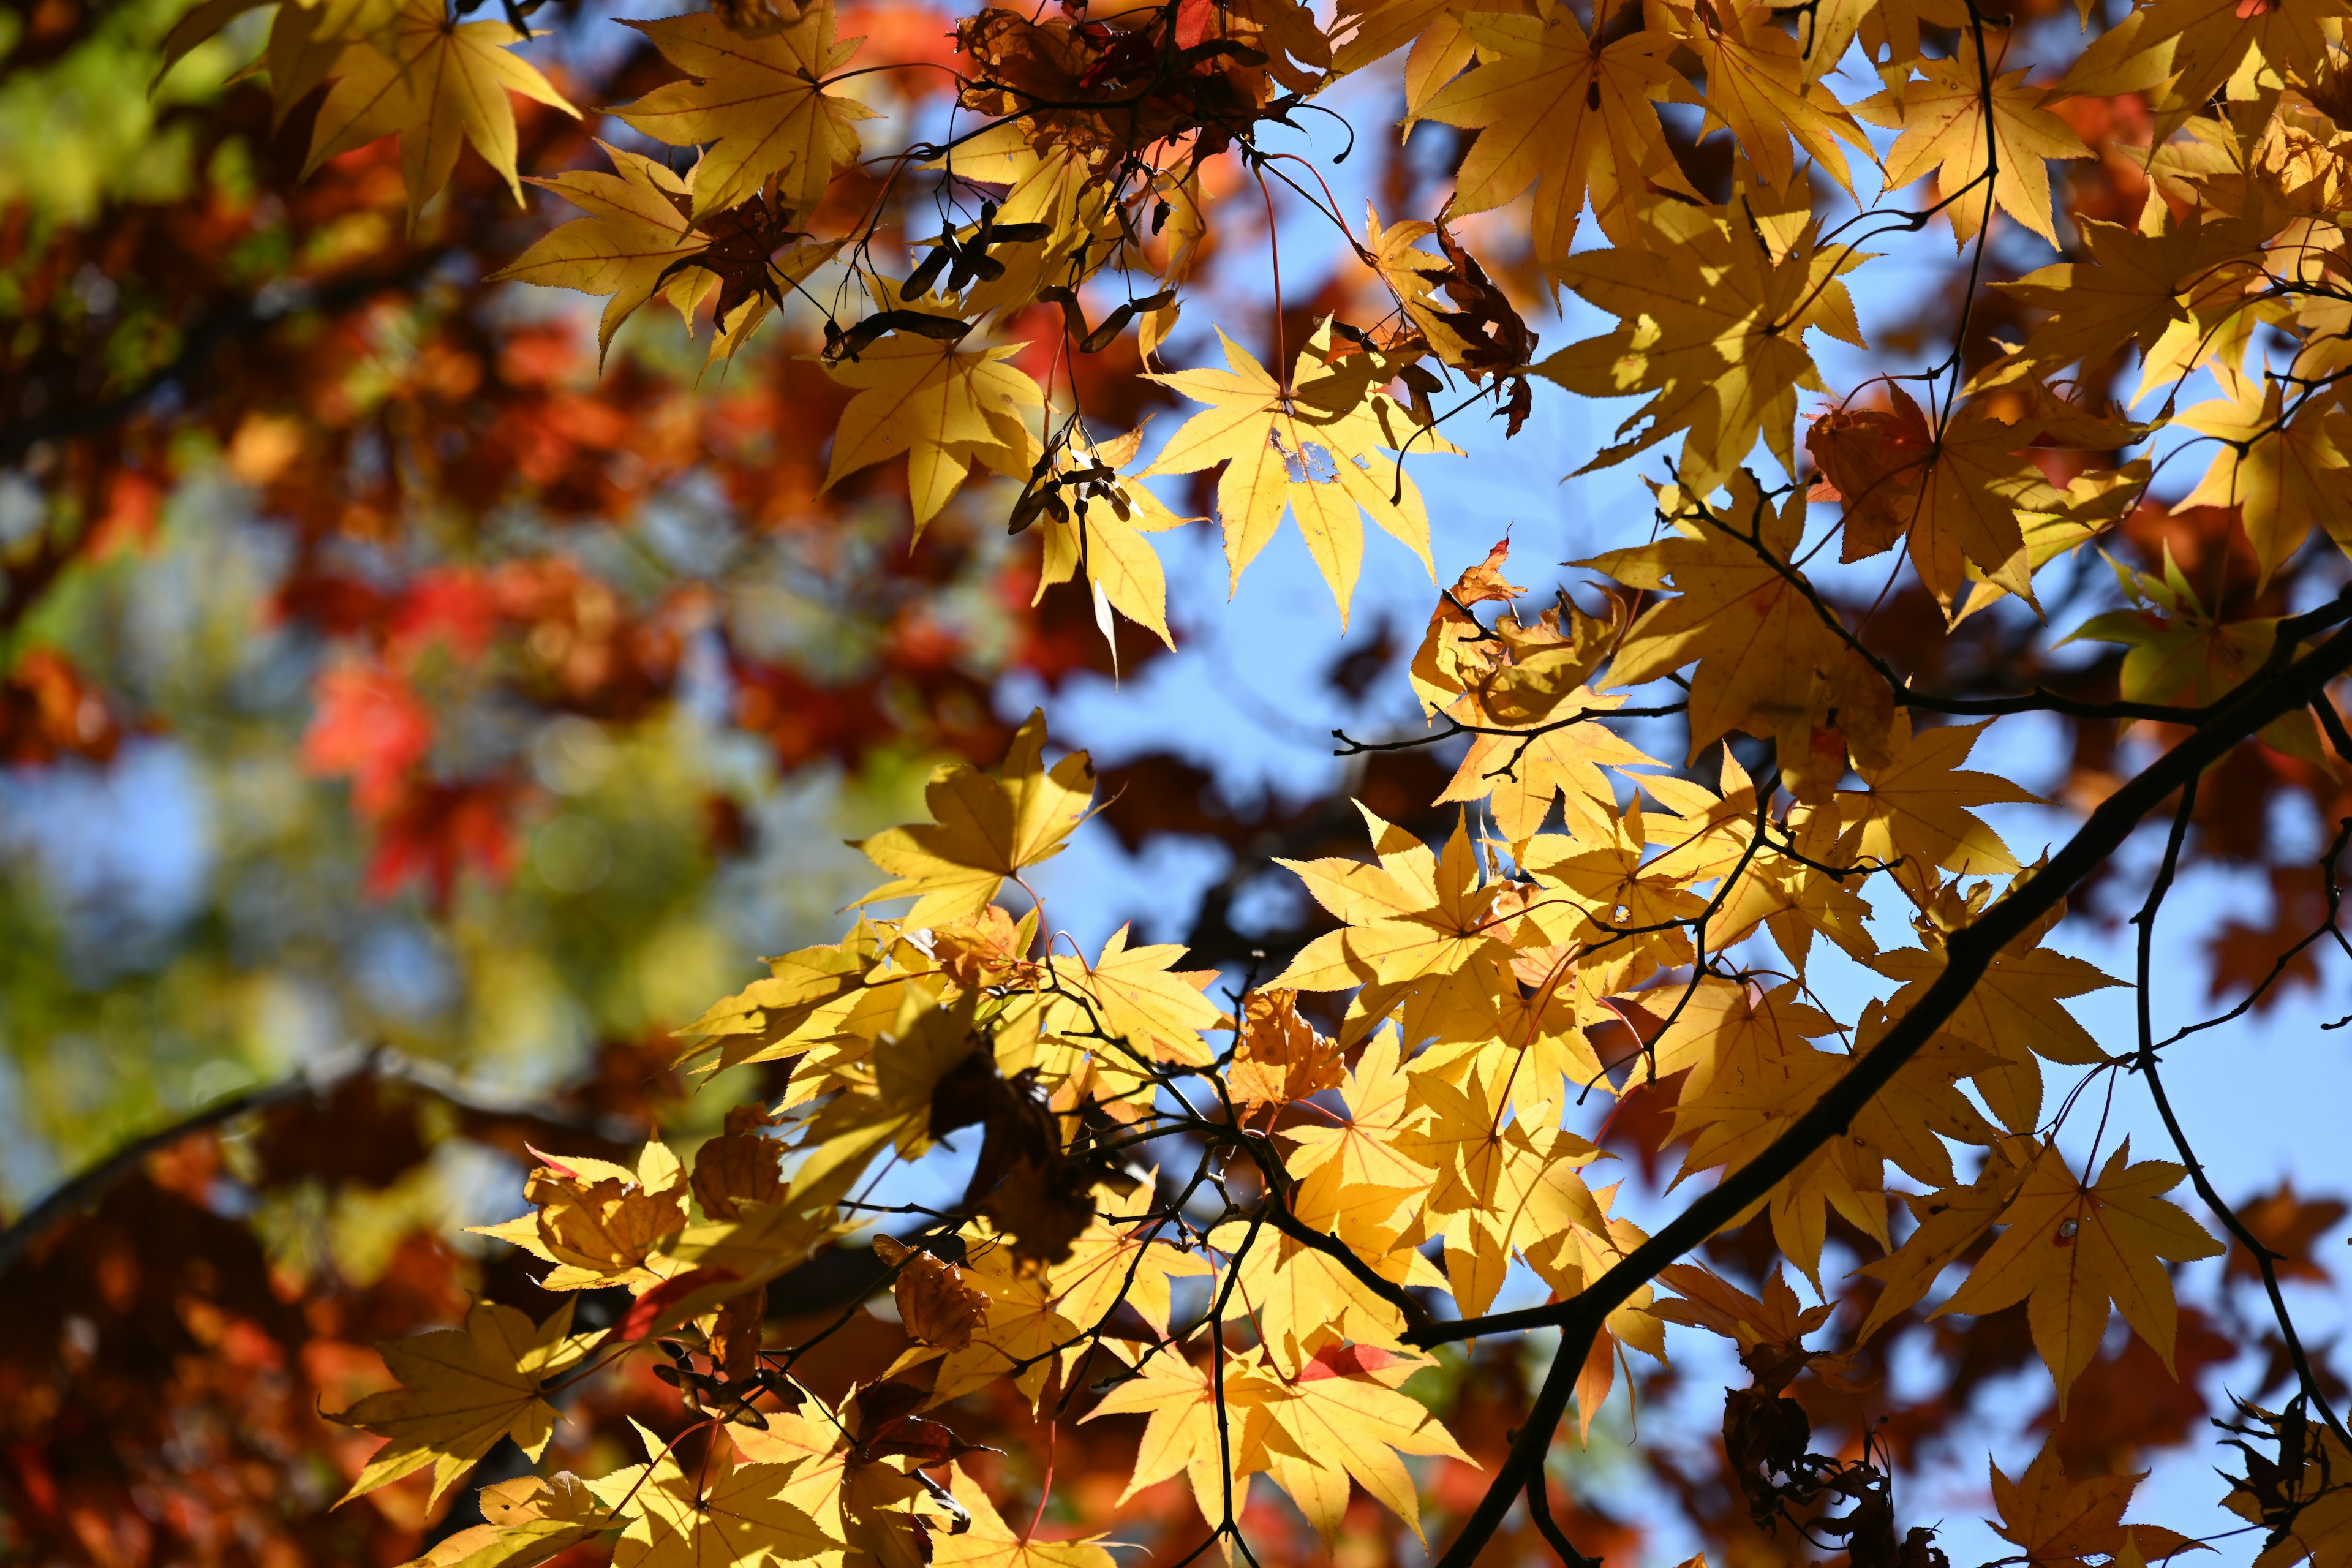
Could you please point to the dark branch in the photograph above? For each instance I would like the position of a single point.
(1969, 952)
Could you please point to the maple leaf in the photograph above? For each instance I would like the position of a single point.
(2302, 1496)
(1949, 1221)
(990, 1542)
(2124, 290)
(1279, 1056)
(639, 234)
(600, 1224)
(638, 228)
(2286, 473)
(2071, 1248)
(437, 86)
(1553, 112)
(1723, 1024)
(2057, 1523)
(1021, 1332)
(1964, 515)
(729, 1513)
(1739, 612)
(1942, 117)
(1488, 1166)
(984, 827)
(1606, 891)
(1760, 87)
(1296, 1293)
(1341, 1417)
(1709, 328)
(1482, 334)
(1871, 461)
(1418, 934)
(2180, 653)
(527, 1520)
(1769, 1329)
(805, 997)
(2186, 50)
(1522, 777)
(945, 407)
(1180, 1434)
(759, 105)
(1136, 998)
(1112, 1263)
(1357, 1166)
(2014, 1012)
(858, 1498)
(1921, 804)
(1310, 448)
(462, 1390)
(937, 1306)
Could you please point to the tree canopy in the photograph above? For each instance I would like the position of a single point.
(495, 493)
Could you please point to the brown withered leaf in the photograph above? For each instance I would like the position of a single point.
(1871, 460)
(738, 1166)
(743, 240)
(1281, 1057)
(937, 1306)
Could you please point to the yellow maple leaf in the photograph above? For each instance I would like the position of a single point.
(1553, 112)
(462, 1390)
(2014, 1012)
(2286, 473)
(600, 1224)
(1921, 806)
(1279, 1057)
(1311, 449)
(634, 242)
(1760, 87)
(759, 105)
(438, 84)
(1948, 1221)
(1156, 1011)
(804, 998)
(1115, 1261)
(2181, 52)
(1942, 117)
(730, 1512)
(1488, 1165)
(2124, 290)
(985, 827)
(944, 407)
(990, 1542)
(2072, 1247)
(1295, 1292)
(1709, 328)
(1181, 1432)
(2180, 653)
(1965, 516)
(525, 1521)
(1356, 1167)
(1736, 613)
(1338, 1417)
(1420, 934)
(870, 1506)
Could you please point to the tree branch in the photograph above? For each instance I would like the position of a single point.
(95, 1180)
(1969, 952)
